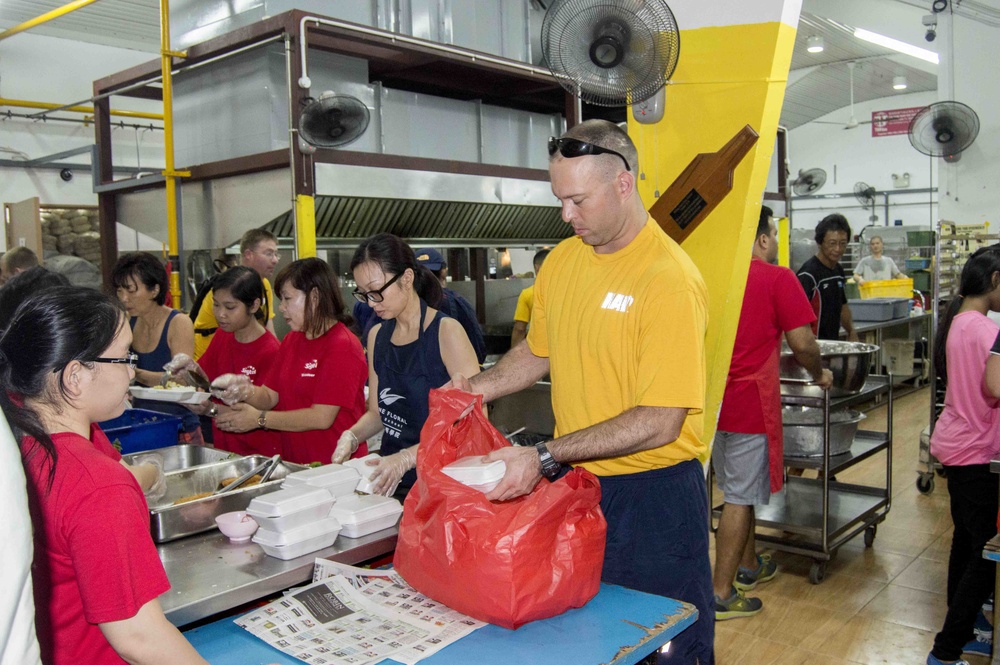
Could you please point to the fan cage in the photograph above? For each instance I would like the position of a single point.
(944, 129)
(333, 121)
(571, 27)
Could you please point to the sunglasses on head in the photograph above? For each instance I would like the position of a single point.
(570, 148)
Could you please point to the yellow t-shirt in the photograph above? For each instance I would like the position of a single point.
(524, 304)
(623, 330)
(206, 319)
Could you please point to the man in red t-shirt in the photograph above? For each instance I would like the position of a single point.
(747, 454)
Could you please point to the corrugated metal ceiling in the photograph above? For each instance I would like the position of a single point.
(820, 82)
(131, 24)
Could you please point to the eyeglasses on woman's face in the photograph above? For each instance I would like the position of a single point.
(130, 359)
(570, 148)
(376, 295)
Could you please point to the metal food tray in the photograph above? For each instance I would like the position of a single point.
(169, 522)
(185, 456)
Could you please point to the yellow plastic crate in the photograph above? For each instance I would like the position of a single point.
(887, 288)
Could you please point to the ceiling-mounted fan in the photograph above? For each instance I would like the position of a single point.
(852, 122)
(809, 182)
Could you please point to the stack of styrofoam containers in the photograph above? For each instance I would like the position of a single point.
(296, 519)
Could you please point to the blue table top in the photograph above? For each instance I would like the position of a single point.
(618, 627)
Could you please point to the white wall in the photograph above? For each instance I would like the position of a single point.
(970, 70)
(48, 69)
(852, 155)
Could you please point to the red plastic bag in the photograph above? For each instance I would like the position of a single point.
(506, 563)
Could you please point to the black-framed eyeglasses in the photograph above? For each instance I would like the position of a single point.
(376, 295)
(131, 359)
(570, 148)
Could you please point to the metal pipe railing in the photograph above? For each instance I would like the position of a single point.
(51, 108)
(46, 17)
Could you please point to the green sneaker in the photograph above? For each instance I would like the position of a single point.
(747, 580)
(736, 606)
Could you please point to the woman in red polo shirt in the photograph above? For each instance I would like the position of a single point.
(315, 387)
(241, 345)
(64, 366)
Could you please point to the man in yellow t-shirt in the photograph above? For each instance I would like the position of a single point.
(258, 250)
(619, 322)
(525, 301)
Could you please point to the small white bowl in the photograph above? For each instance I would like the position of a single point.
(238, 526)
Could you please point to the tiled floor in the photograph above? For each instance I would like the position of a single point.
(878, 606)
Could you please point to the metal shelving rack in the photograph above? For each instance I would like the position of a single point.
(815, 516)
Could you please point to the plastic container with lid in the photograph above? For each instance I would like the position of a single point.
(337, 479)
(476, 472)
(297, 542)
(366, 471)
(361, 515)
(290, 508)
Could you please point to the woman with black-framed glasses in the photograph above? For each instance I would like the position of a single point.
(97, 575)
(414, 349)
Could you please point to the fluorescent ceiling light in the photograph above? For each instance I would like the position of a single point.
(814, 44)
(899, 83)
(896, 45)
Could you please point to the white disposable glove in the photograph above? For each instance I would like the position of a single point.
(181, 366)
(232, 388)
(346, 445)
(391, 469)
(159, 486)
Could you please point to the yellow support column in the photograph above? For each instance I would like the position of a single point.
(166, 65)
(305, 226)
(732, 71)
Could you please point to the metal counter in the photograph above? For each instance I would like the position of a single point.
(868, 326)
(208, 574)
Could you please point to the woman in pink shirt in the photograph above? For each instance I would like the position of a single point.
(966, 437)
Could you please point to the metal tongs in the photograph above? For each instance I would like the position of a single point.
(262, 468)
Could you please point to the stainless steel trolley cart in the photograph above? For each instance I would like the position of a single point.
(815, 516)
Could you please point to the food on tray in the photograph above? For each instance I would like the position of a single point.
(254, 480)
(193, 497)
(171, 385)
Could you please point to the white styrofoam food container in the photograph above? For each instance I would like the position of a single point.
(337, 479)
(290, 508)
(363, 514)
(366, 471)
(476, 472)
(302, 540)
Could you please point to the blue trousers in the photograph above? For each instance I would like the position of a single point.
(658, 543)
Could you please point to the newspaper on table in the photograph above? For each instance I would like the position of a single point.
(356, 616)
(389, 590)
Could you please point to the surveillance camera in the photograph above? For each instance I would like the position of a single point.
(66, 175)
(931, 34)
(929, 20)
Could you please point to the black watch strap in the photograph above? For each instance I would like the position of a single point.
(550, 467)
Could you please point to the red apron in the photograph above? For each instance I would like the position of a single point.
(767, 380)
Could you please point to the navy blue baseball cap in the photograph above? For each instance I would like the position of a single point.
(430, 259)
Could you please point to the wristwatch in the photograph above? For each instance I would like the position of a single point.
(262, 420)
(550, 467)
(213, 411)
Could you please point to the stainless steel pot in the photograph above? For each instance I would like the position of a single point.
(849, 362)
(803, 428)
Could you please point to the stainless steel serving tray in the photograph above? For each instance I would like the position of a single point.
(185, 456)
(169, 522)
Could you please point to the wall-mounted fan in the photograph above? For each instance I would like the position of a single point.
(333, 121)
(944, 129)
(865, 194)
(611, 52)
(809, 182)
(852, 121)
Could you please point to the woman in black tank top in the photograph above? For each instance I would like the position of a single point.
(413, 350)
